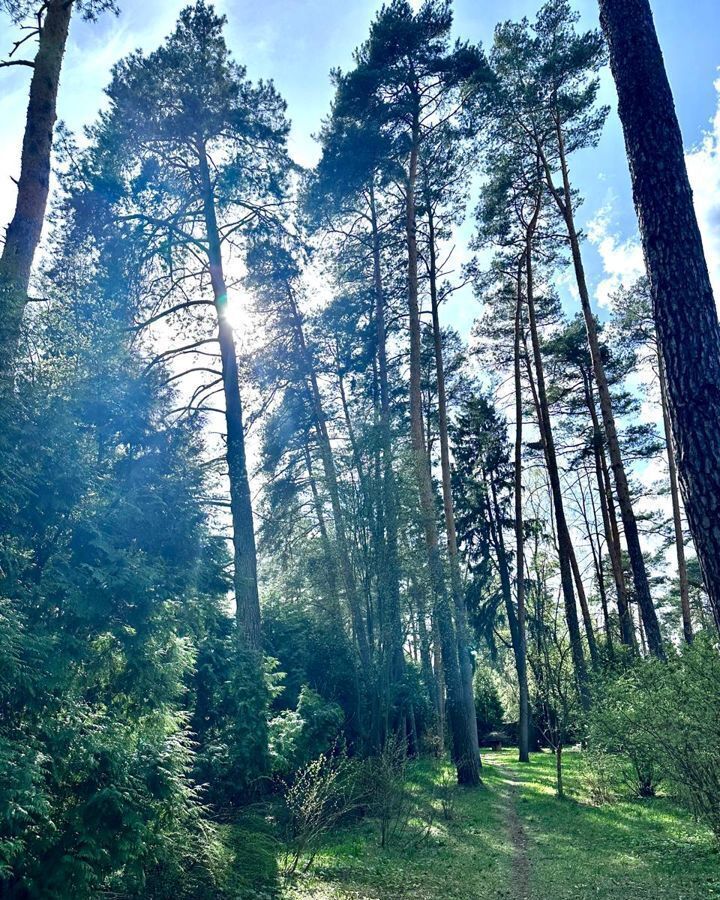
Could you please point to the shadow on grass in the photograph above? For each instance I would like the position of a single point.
(465, 856)
(632, 849)
(626, 850)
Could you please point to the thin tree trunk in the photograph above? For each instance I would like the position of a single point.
(643, 642)
(466, 760)
(632, 536)
(558, 771)
(23, 233)
(387, 554)
(426, 662)
(331, 480)
(521, 641)
(245, 557)
(563, 533)
(612, 536)
(461, 620)
(331, 574)
(596, 550)
(439, 675)
(584, 607)
(685, 313)
(677, 515)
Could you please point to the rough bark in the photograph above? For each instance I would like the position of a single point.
(245, 556)
(25, 228)
(466, 760)
(684, 308)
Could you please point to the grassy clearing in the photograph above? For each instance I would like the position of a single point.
(467, 856)
(632, 849)
(625, 850)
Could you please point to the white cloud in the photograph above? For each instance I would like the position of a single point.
(704, 170)
(623, 259)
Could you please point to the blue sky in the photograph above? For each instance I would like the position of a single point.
(296, 42)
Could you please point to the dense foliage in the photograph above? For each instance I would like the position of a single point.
(270, 528)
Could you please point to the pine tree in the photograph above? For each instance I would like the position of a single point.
(193, 152)
(51, 22)
(683, 304)
(405, 79)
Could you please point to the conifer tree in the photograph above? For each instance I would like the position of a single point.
(405, 83)
(548, 76)
(192, 154)
(50, 24)
(683, 303)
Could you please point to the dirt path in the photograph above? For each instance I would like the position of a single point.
(518, 836)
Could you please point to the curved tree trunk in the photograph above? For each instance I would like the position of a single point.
(23, 233)
(685, 314)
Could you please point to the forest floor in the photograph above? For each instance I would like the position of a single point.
(512, 838)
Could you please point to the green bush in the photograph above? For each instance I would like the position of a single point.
(665, 718)
(297, 736)
(488, 706)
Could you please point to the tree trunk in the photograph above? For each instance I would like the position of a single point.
(685, 314)
(593, 528)
(677, 515)
(245, 557)
(520, 643)
(564, 541)
(430, 680)
(607, 507)
(632, 536)
(461, 620)
(439, 676)
(331, 481)
(23, 233)
(387, 554)
(558, 771)
(584, 607)
(466, 760)
(331, 574)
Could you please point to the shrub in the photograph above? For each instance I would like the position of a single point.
(387, 790)
(488, 706)
(323, 793)
(614, 727)
(665, 718)
(300, 735)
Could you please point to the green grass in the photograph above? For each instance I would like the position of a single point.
(632, 849)
(624, 850)
(464, 857)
